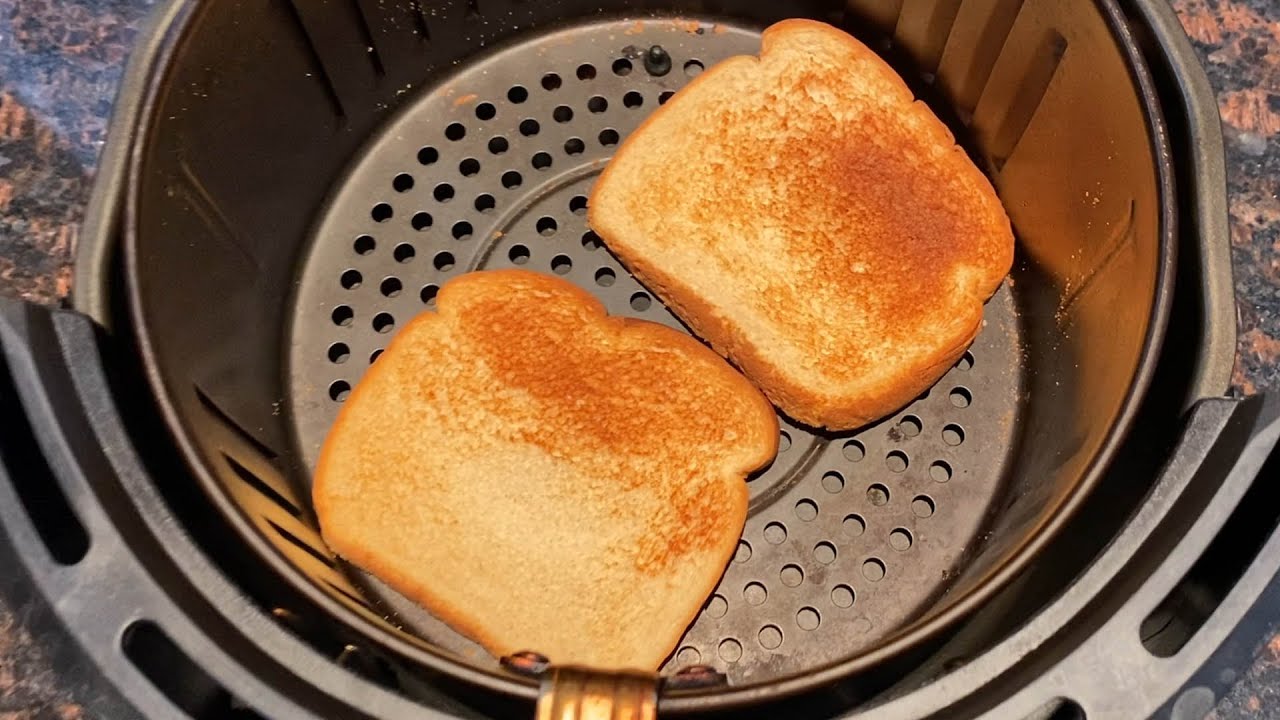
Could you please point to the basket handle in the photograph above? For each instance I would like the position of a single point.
(574, 693)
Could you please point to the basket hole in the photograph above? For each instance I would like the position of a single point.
(511, 179)
(518, 255)
(364, 245)
(854, 451)
(444, 192)
(339, 353)
(622, 67)
(806, 510)
(421, 221)
(339, 390)
(688, 656)
(455, 131)
(498, 145)
(428, 155)
(784, 442)
(693, 68)
(755, 593)
(842, 596)
(529, 127)
(403, 253)
(940, 471)
(547, 226)
(517, 94)
(910, 426)
(641, 302)
(381, 212)
(770, 637)
(775, 533)
(469, 167)
(854, 525)
(443, 261)
(873, 569)
(383, 322)
(953, 435)
(402, 182)
(1066, 709)
(922, 506)
(878, 495)
(605, 277)
(900, 539)
(462, 230)
(743, 552)
(791, 575)
(428, 294)
(562, 114)
(391, 287)
(897, 461)
(343, 315)
(665, 96)
(373, 356)
(551, 81)
(608, 137)
(485, 202)
(808, 619)
(833, 482)
(730, 650)
(351, 279)
(633, 99)
(541, 161)
(591, 241)
(586, 71)
(965, 362)
(961, 397)
(717, 606)
(824, 552)
(561, 264)
(578, 205)
(574, 146)
(486, 111)
(597, 104)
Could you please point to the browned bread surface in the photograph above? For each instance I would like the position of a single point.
(542, 476)
(802, 213)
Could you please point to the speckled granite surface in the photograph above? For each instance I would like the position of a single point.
(61, 60)
(1239, 44)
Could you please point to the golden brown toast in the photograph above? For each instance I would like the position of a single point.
(803, 214)
(542, 476)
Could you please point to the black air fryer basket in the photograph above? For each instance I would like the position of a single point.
(1066, 523)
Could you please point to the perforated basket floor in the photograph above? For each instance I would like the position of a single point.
(849, 536)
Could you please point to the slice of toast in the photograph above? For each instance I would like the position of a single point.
(542, 476)
(812, 222)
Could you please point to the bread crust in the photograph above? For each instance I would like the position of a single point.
(697, 494)
(955, 236)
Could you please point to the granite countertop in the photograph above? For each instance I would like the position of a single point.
(61, 64)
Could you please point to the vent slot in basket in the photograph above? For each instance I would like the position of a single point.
(179, 678)
(59, 528)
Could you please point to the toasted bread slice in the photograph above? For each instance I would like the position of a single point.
(542, 476)
(812, 222)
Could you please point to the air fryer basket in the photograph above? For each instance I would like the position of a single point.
(295, 200)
